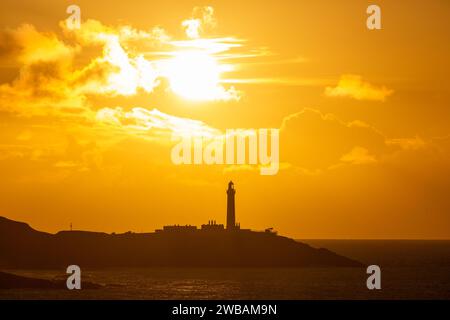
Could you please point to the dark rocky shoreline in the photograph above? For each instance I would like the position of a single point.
(13, 281)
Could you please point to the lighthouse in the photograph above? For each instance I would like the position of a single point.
(231, 213)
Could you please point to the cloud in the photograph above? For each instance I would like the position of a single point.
(315, 141)
(202, 18)
(27, 46)
(415, 143)
(116, 73)
(44, 63)
(156, 122)
(62, 73)
(296, 82)
(41, 88)
(354, 87)
(358, 155)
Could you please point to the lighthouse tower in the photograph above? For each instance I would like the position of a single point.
(231, 214)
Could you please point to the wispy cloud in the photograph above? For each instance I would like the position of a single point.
(358, 155)
(143, 120)
(202, 18)
(297, 82)
(353, 86)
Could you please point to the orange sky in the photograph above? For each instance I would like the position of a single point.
(86, 115)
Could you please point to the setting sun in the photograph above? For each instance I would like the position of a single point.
(195, 75)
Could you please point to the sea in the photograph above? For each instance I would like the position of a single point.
(410, 269)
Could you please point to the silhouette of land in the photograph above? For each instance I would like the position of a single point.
(174, 246)
(23, 247)
(12, 281)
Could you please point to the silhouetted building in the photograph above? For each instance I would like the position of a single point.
(231, 209)
(178, 228)
(212, 226)
(270, 231)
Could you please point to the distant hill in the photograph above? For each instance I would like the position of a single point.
(23, 247)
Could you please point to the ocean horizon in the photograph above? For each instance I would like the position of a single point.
(410, 269)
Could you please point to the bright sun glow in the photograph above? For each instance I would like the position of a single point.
(193, 68)
(195, 75)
